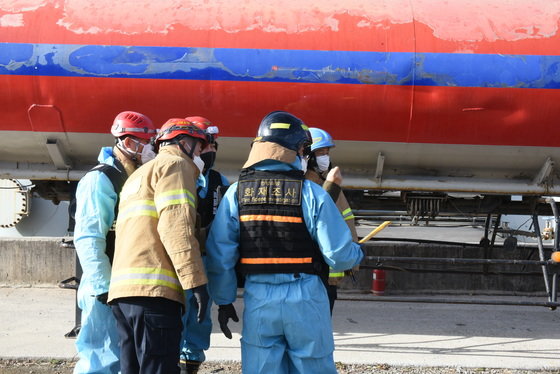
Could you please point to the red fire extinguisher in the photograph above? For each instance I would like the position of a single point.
(378, 282)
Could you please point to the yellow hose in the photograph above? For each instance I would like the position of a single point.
(374, 232)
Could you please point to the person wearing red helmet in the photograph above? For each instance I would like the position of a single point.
(133, 132)
(196, 336)
(157, 255)
(96, 203)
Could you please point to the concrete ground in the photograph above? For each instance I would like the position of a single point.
(33, 322)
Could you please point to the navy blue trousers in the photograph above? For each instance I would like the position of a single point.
(150, 334)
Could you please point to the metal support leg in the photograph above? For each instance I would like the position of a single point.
(73, 283)
(556, 221)
(554, 287)
(541, 256)
(488, 249)
(484, 241)
(554, 291)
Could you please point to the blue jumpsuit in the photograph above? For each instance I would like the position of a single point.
(286, 319)
(97, 342)
(196, 336)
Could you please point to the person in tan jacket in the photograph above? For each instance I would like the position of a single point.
(320, 171)
(157, 255)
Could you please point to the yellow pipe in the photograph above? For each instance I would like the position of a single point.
(374, 232)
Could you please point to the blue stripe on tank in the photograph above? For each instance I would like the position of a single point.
(278, 65)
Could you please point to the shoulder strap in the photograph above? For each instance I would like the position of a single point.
(214, 178)
(116, 174)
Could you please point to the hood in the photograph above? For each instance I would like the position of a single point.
(261, 151)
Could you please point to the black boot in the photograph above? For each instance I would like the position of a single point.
(189, 366)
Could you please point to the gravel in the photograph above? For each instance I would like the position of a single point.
(25, 366)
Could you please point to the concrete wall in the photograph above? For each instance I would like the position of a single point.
(45, 261)
(32, 261)
(402, 278)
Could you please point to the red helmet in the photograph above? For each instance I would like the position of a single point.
(205, 125)
(180, 126)
(133, 123)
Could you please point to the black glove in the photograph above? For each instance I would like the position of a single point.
(201, 296)
(225, 312)
(103, 298)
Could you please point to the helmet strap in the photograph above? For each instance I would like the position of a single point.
(133, 155)
(192, 147)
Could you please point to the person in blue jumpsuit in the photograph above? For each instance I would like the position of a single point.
(282, 232)
(196, 336)
(96, 200)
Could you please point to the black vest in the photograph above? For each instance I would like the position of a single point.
(208, 205)
(117, 175)
(273, 234)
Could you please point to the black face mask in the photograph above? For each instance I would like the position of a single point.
(208, 158)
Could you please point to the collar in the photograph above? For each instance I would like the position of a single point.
(175, 151)
(129, 165)
(261, 151)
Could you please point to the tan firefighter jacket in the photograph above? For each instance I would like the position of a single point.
(345, 210)
(156, 252)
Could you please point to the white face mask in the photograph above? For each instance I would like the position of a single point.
(198, 162)
(147, 154)
(303, 161)
(323, 162)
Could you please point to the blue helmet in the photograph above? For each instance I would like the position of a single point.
(285, 129)
(321, 139)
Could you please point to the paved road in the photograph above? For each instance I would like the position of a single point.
(34, 320)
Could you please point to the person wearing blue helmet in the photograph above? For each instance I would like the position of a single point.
(322, 172)
(282, 233)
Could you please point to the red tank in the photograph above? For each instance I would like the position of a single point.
(419, 95)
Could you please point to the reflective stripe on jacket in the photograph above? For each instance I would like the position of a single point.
(156, 252)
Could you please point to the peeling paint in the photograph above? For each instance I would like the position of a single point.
(456, 21)
(16, 6)
(11, 20)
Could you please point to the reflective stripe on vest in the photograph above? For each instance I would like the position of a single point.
(270, 218)
(146, 276)
(283, 260)
(347, 214)
(138, 208)
(175, 197)
(273, 236)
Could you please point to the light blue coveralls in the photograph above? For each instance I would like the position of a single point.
(196, 336)
(97, 342)
(286, 318)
